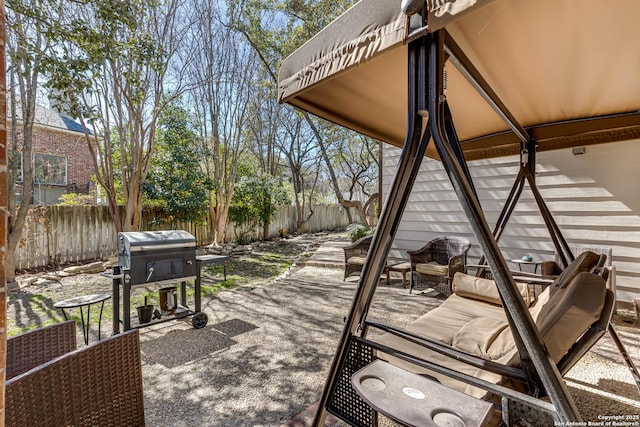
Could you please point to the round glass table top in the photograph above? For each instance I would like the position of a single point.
(82, 300)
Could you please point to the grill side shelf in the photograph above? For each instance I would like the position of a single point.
(163, 282)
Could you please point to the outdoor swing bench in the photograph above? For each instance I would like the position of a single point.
(461, 80)
(469, 331)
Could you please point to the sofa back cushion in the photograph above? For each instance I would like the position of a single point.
(586, 261)
(564, 313)
(484, 289)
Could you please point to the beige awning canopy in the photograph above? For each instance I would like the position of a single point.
(567, 70)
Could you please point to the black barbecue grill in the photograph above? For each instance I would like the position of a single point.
(147, 258)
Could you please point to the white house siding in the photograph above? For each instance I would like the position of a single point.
(595, 199)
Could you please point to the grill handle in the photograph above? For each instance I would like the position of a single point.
(163, 246)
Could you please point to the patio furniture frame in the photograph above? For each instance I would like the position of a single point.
(38, 346)
(426, 99)
(426, 61)
(359, 249)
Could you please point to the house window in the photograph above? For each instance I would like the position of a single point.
(50, 169)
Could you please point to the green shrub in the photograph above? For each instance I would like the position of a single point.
(357, 231)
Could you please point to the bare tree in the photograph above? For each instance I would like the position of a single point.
(298, 146)
(264, 124)
(26, 51)
(224, 70)
(357, 165)
(257, 22)
(115, 73)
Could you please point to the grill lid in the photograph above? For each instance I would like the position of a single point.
(134, 241)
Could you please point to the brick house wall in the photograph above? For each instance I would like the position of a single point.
(73, 145)
(70, 144)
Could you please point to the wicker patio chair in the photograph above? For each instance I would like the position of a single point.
(435, 264)
(355, 254)
(33, 348)
(97, 385)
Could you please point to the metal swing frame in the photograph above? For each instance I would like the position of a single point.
(429, 118)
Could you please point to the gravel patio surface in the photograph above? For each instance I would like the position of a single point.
(264, 355)
(266, 352)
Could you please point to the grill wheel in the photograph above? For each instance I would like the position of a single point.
(199, 320)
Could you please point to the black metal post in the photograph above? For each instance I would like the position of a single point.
(198, 285)
(559, 242)
(458, 58)
(415, 146)
(115, 297)
(183, 293)
(512, 301)
(100, 321)
(126, 303)
(450, 129)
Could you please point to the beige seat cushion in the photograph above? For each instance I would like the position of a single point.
(432, 268)
(484, 289)
(356, 260)
(477, 337)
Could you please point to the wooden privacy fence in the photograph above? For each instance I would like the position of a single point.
(56, 235)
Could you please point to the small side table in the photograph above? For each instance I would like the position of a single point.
(403, 267)
(80, 302)
(522, 262)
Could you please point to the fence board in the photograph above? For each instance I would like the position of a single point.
(56, 235)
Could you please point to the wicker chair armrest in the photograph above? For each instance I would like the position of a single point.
(33, 348)
(352, 252)
(456, 264)
(611, 281)
(359, 247)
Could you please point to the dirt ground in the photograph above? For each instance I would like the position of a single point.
(33, 306)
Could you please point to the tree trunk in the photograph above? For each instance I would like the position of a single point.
(17, 218)
(5, 255)
(221, 222)
(334, 180)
